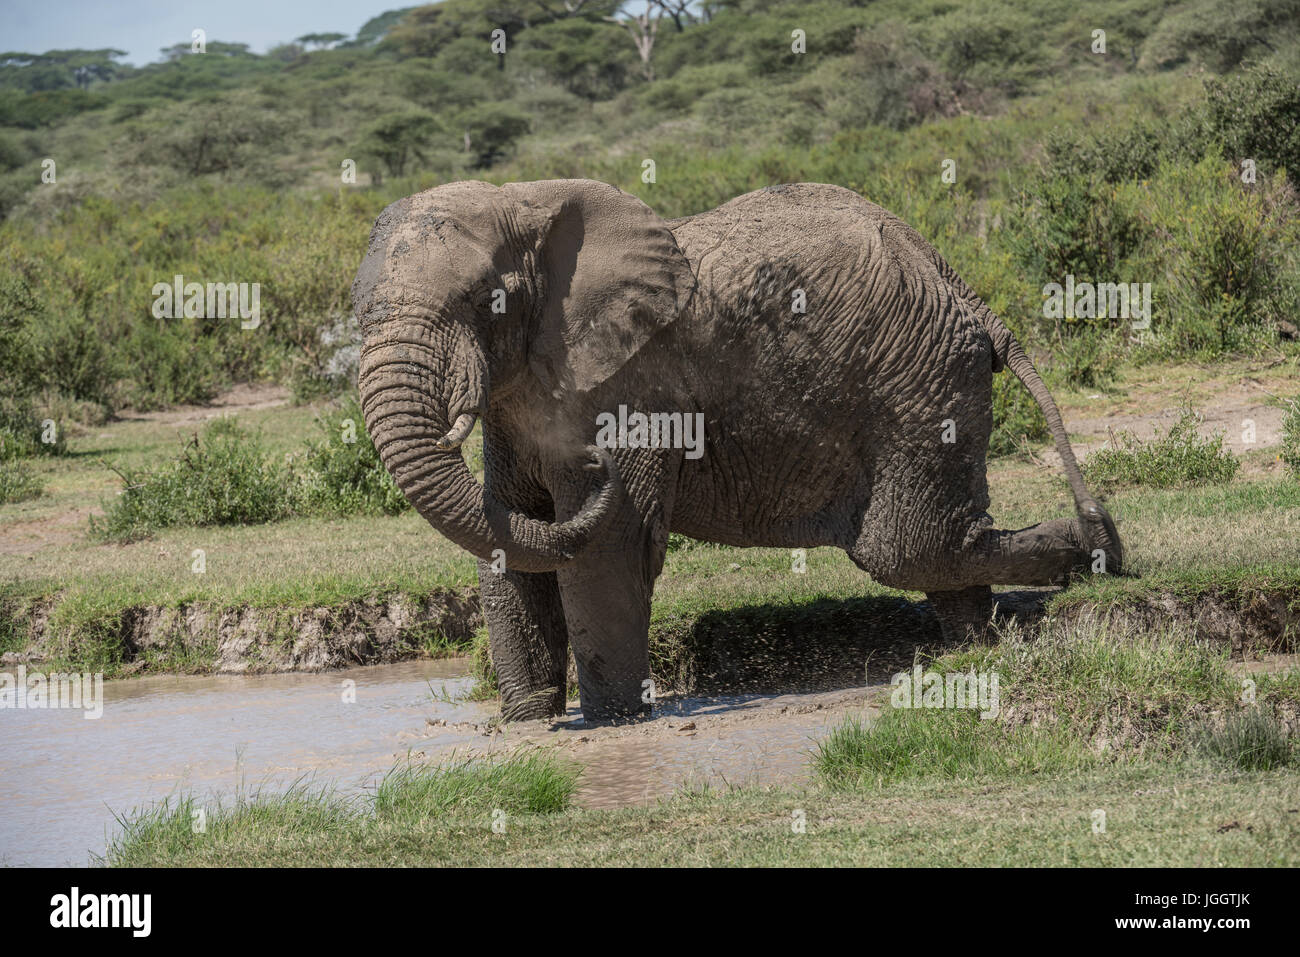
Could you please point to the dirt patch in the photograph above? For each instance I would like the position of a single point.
(241, 398)
(23, 538)
(693, 742)
(1229, 410)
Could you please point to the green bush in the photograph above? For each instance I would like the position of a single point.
(1073, 224)
(1231, 269)
(1089, 359)
(223, 477)
(1179, 457)
(1290, 451)
(164, 367)
(24, 433)
(1220, 34)
(342, 471)
(1256, 115)
(17, 482)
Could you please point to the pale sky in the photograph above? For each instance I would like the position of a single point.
(143, 27)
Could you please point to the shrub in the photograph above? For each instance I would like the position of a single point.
(1233, 271)
(24, 433)
(1217, 34)
(165, 368)
(221, 478)
(1179, 457)
(1073, 224)
(1256, 115)
(1290, 451)
(1088, 359)
(17, 482)
(343, 474)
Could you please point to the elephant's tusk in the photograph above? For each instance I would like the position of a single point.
(459, 432)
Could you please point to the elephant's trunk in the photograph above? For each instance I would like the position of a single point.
(424, 459)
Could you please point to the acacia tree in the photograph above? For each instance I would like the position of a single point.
(679, 11)
(397, 138)
(643, 27)
(321, 40)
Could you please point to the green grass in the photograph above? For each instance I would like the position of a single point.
(1250, 740)
(952, 744)
(1290, 452)
(457, 794)
(531, 782)
(1156, 815)
(1177, 458)
(1072, 697)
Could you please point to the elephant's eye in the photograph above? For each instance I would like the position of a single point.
(491, 299)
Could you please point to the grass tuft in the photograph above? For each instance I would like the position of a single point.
(1180, 457)
(320, 824)
(1251, 740)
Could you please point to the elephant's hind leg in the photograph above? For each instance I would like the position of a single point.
(1043, 554)
(963, 614)
(529, 641)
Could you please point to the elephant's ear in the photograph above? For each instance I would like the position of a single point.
(611, 277)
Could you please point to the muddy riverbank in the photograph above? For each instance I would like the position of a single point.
(757, 649)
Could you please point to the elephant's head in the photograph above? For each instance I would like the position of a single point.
(466, 290)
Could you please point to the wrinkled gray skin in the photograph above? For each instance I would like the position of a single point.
(821, 428)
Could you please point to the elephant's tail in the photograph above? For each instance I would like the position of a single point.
(1098, 526)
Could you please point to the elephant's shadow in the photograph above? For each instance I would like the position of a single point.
(827, 644)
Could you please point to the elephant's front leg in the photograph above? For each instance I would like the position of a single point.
(530, 646)
(607, 608)
(607, 593)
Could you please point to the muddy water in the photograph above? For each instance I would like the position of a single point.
(722, 749)
(62, 777)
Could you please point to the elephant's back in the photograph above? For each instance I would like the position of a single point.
(825, 346)
(787, 210)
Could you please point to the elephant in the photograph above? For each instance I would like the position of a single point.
(841, 369)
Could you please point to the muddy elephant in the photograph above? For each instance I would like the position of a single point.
(796, 368)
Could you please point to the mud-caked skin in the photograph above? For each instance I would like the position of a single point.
(842, 369)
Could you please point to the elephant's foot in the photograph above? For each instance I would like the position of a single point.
(1043, 554)
(533, 706)
(965, 614)
(610, 714)
(528, 640)
(614, 678)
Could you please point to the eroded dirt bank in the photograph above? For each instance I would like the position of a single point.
(761, 649)
(205, 637)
